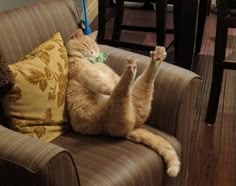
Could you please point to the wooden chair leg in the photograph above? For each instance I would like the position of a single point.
(201, 24)
(161, 13)
(214, 93)
(160, 29)
(101, 20)
(175, 19)
(208, 7)
(219, 56)
(147, 5)
(119, 12)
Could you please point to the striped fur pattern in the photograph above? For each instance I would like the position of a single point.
(101, 102)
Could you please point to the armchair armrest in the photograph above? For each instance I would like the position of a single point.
(174, 110)
(175, 98)
(28, 161)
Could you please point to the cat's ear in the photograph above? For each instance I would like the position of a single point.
(76, 34)
(93, 35)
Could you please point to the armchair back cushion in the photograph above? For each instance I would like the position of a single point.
(23, 29)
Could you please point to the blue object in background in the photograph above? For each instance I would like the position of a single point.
(87, 29)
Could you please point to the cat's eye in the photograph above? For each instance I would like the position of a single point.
(83, 45)
(95, 48)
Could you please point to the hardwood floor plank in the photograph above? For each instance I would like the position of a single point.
(227, 149)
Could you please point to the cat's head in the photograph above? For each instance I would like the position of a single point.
(85, 44)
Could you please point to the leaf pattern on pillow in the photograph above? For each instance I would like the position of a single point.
(61, 85)
(39, 131)
(45, 57)
(51, 96)
(36, 104)
(49, 47)
(36, 77)
(39, 78)
(48, 115)
(24, 126)
(48, 73)
(32, 129)
(15, 94)
(63, 55)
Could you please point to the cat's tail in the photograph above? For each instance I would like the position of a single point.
(160, 145)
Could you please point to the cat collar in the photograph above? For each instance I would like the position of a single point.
(101, 58)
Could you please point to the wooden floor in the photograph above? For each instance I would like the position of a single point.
(213, 161)
(214, 147)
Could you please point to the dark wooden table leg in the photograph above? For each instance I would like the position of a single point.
(186, 12)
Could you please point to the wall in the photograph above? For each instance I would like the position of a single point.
(7, 4)
(92, 9)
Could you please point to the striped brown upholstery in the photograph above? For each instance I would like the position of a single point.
(23, 29)
(175, 96)
(108, 161)
(28, 161)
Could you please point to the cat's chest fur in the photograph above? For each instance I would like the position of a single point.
(81, 70)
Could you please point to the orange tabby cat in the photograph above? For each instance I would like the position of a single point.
(101, 102)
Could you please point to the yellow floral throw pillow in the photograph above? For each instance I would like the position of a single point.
(36, 104)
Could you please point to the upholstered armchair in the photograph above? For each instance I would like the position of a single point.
(74, 159)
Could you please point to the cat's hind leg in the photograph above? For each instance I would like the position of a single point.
(142, 90)
(119, 117)
(83, 109)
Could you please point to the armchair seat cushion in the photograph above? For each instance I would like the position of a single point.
(104, 160)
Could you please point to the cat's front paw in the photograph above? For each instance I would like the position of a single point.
(159, 54)
(107, 91)
(131, 64)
